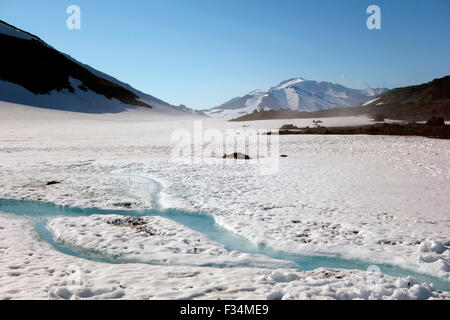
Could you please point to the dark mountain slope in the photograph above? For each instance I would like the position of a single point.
(40, 69)
(35, 74)
(419, 102)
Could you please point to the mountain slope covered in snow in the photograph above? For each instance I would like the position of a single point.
(33, 73)
(296, 94)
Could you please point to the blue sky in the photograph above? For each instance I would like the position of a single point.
(204, 52)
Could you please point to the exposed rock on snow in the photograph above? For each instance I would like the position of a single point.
(52, 183)
(236, 155)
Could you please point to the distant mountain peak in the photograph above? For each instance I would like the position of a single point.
(290, 82)
(256, 92)
(296, 94)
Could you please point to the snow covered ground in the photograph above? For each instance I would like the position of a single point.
(34, 270)
(381, 199)
(149, 239)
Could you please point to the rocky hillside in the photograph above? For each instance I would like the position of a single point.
(34, 73)
(419, 102)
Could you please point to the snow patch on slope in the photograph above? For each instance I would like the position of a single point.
(371, 101)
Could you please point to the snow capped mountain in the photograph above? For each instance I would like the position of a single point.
(296, 94)
(33, 73)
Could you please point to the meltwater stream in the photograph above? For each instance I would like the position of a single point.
(39, 213)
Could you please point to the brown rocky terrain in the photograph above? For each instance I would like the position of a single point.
(434, 128)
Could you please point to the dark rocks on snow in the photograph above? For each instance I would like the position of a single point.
(135, 223)
(288, 127)
(236, 155)
(49, 183)
(126, 205)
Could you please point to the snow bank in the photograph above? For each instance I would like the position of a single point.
(35, 270)
(154, 240)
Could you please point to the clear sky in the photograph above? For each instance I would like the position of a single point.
(202, 53)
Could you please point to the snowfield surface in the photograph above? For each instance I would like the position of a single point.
(149, 239)
(34, 270)
(380, 199)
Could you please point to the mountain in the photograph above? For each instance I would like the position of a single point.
(420, 102)
(416, 103)
(33, 73)
(296, 94)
